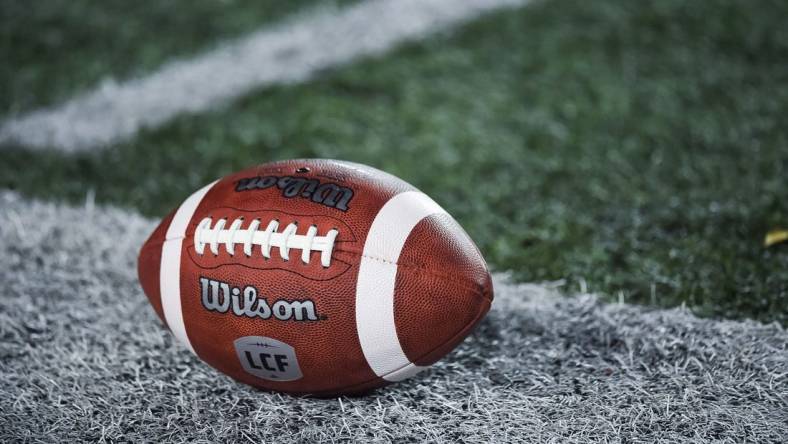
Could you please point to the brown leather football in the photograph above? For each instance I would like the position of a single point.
(315, 277)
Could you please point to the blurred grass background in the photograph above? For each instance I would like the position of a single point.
(639, 147)
(52, 49)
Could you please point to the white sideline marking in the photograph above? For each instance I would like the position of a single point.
(287, 53)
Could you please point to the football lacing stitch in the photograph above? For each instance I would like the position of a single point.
(270, 237)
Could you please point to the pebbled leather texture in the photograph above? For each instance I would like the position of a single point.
(442, 287)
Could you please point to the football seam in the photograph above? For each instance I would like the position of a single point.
(466, 284)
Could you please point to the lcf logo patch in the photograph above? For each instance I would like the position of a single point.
(267, 358)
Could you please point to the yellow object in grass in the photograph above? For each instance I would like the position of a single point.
(775, 237)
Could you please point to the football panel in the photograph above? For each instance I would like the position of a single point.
(149, 262)
(170, 269)
(375, 293)
(443, 289)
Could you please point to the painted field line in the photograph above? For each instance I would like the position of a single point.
(286, 53)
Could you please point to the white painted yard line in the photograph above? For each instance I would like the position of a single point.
(286, 53)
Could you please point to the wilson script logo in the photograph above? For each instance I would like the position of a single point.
(221, 297)
(328, 194)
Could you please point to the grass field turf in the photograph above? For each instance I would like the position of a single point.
(50, 49)
(84, 358)
(640, 147)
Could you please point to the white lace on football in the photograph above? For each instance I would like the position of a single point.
(266, 239)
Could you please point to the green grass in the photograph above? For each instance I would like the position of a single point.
(50, 49)
(639, 146)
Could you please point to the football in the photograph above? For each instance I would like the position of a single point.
(315, 277)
